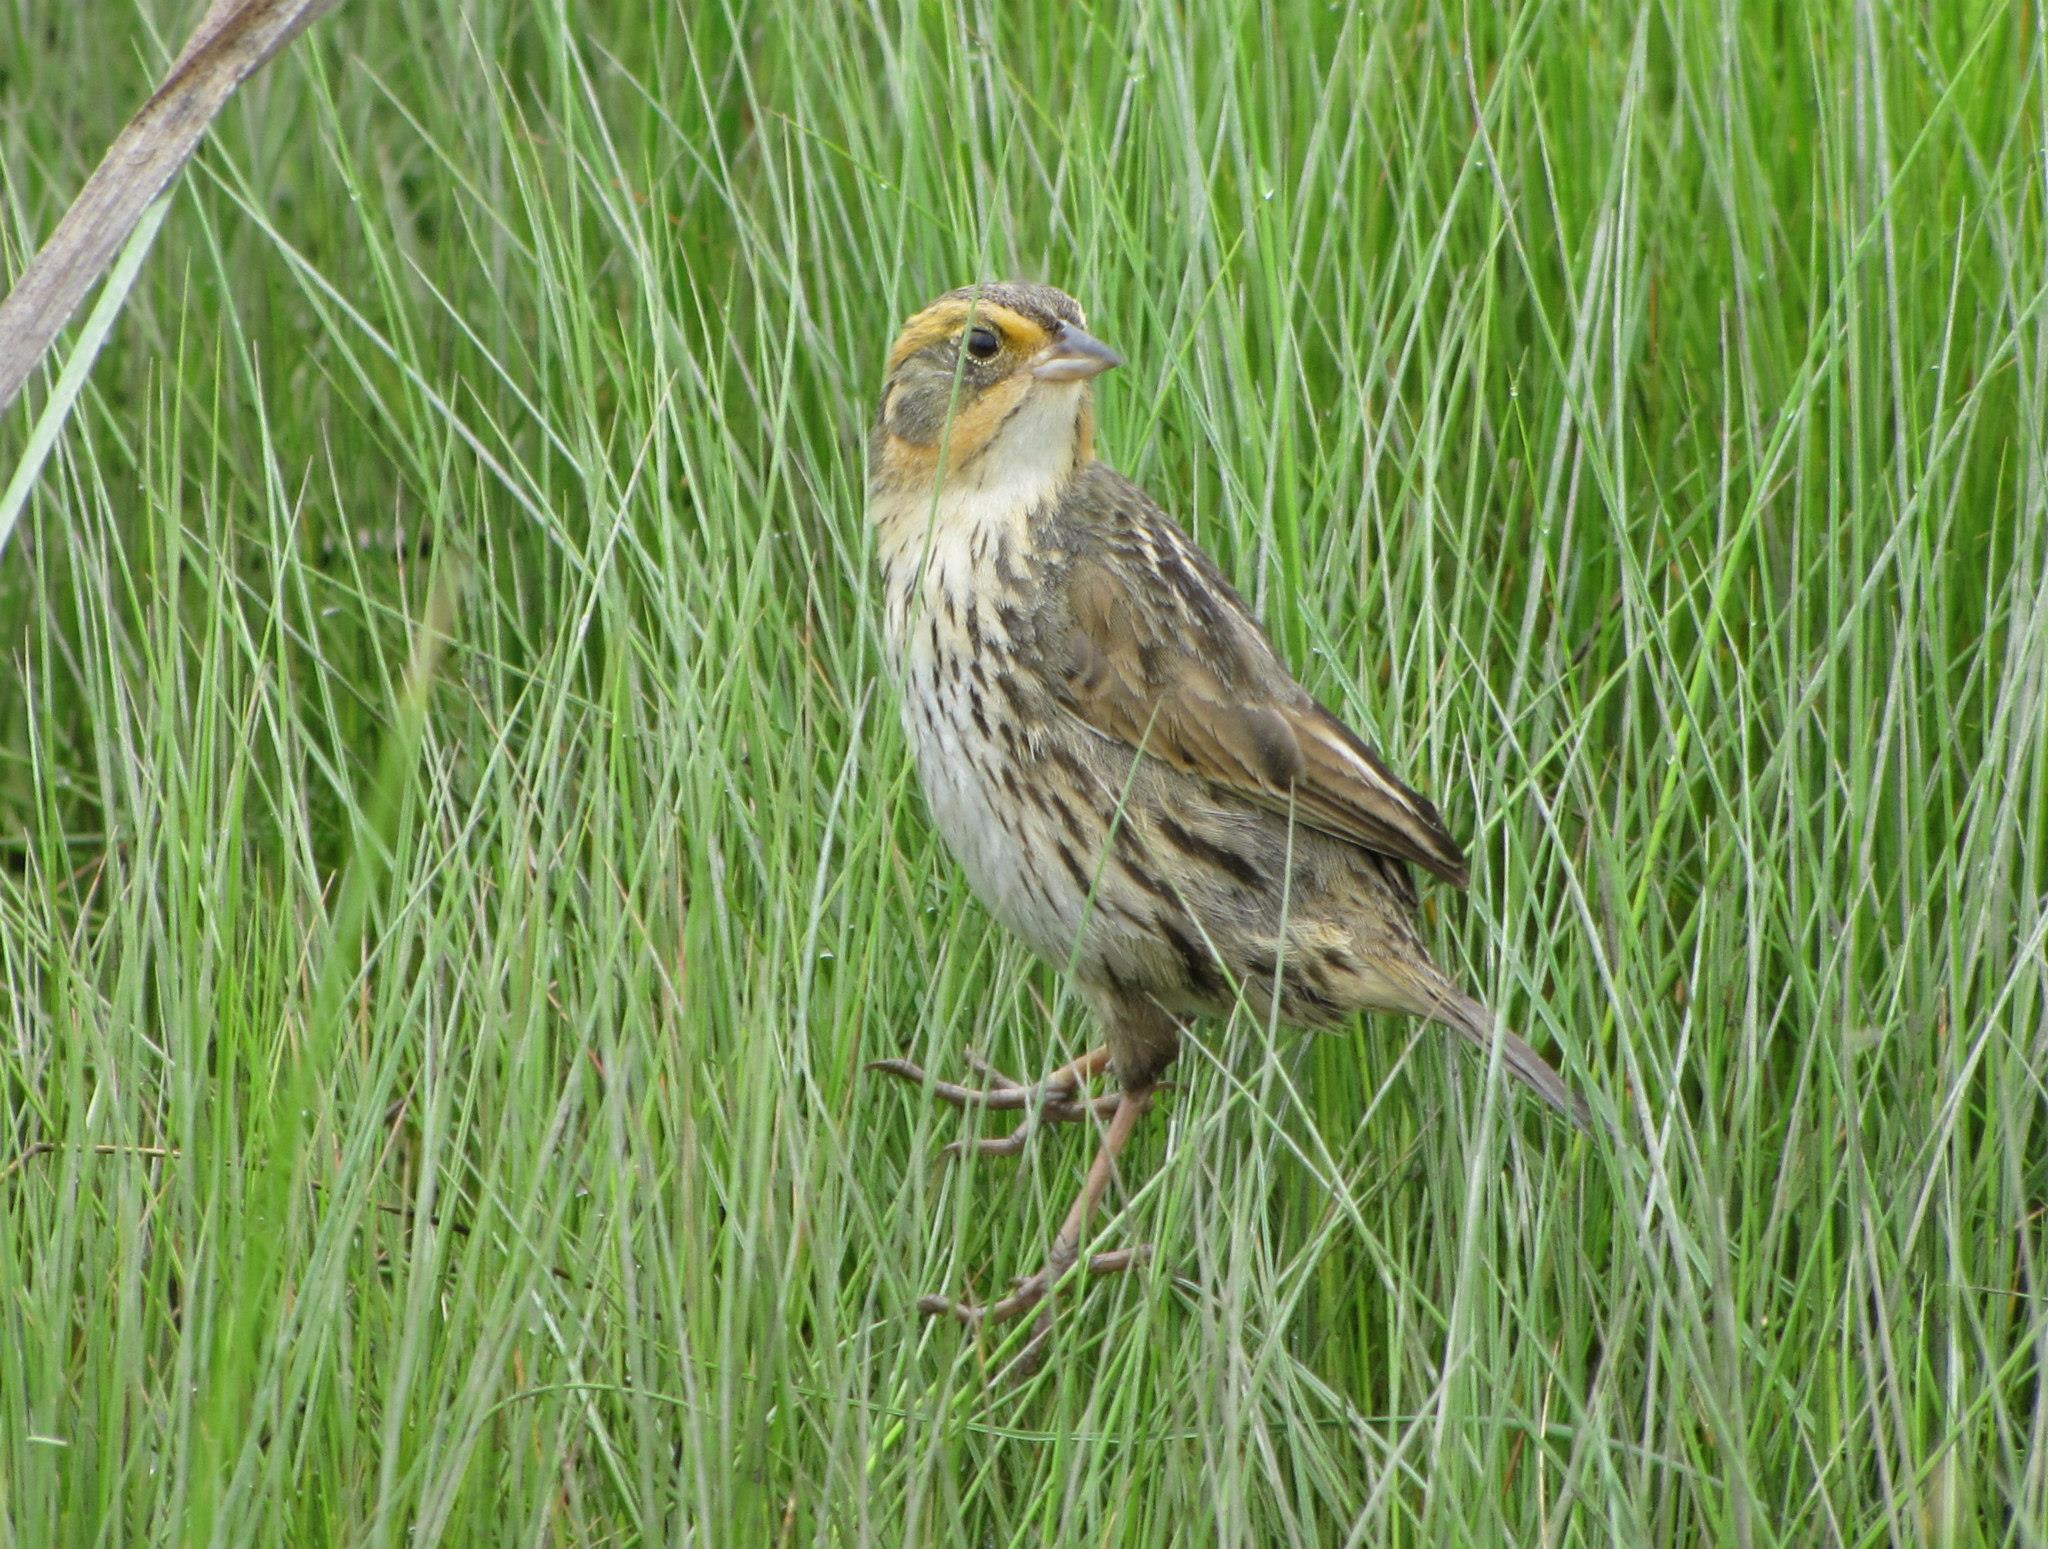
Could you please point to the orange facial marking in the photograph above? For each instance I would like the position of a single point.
(977, 421)
(969, 431)
(943, 319)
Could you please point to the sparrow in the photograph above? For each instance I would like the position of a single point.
(1132, 779)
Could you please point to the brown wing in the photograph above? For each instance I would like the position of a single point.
(1162, 654)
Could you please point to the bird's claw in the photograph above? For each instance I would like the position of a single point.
(1028, 1291)
(1007, 1096)
(1055, 1100)
(1002, 1092)
(1053, 1111)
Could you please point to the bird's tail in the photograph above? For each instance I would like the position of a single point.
(1483, 1028)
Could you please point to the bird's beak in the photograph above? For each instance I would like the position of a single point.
(1075, 355)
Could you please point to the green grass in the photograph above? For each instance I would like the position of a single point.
(435, 975)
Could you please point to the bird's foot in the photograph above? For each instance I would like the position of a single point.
(1035, 1291)
(1028, 1292)
(1055, 1099)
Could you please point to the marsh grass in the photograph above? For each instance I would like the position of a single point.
(456, 850)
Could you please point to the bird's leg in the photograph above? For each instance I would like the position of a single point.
(1036, 1290)
(1050, 1100)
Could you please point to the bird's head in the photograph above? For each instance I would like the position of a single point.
(990, 384)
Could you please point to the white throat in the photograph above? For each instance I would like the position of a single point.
(952, 535)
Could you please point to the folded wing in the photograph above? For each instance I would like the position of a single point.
(1178, 667)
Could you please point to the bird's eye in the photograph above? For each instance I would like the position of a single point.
(982, 343)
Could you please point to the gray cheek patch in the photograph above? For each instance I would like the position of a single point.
(916, 411)
(917, 406)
